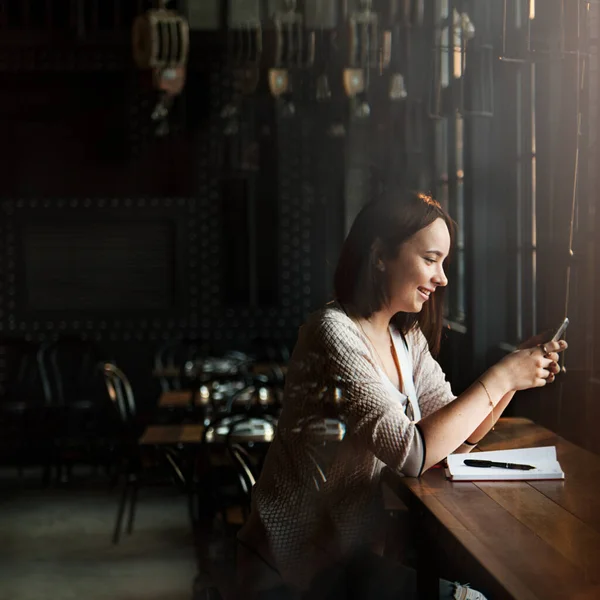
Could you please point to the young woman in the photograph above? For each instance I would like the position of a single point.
(367, 358)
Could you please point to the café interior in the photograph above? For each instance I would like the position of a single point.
(177, 182)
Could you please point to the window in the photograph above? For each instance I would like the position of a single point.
(449, 144)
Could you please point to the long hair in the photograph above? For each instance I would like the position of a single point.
(361, 287)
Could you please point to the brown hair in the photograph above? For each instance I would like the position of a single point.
(361, 288)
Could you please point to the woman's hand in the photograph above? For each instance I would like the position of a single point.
(538, 340)
(531, 367)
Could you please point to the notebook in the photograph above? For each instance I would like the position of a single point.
(543, 459)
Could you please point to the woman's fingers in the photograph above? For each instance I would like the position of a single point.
(549, 372)
(537, 340)
(554, 347)
(544, 377)
(553, 367)
(543, 374)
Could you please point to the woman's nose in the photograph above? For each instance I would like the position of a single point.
(440, 277)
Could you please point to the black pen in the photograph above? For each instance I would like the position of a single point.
(500, 465)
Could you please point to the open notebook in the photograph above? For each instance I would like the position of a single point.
(543, 459)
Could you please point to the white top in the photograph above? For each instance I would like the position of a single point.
(408, 392)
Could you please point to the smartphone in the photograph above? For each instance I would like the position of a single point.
(561, 330)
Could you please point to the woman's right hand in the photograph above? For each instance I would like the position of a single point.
(531, 367)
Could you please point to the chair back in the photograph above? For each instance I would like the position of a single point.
(120, 392)
(254, 390)
(243, 433)
(245, 469)
(73, 367)
(322, 435)
(30, 384)
(173, 356)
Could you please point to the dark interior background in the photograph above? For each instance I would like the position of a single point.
(112, 234)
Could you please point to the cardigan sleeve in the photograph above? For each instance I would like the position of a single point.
(433, 390)
(371, 415)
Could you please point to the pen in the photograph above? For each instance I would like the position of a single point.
(500, 465)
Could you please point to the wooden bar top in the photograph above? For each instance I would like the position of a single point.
(520, 540)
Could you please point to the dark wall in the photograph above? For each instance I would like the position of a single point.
(112, 233)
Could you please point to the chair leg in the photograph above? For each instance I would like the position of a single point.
(120, 513)
(132, 505)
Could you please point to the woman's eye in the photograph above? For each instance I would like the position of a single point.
(429, 260)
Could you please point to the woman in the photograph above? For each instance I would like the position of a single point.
(373, 347)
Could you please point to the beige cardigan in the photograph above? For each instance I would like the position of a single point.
(295, 528)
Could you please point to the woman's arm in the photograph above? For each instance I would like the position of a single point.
(485, 426)
(487, 423)
(446, 429)
(434, 391)
(375, 419)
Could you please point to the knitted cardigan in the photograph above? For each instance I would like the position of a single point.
(301, 521)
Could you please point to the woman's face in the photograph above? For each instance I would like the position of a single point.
(415, 273)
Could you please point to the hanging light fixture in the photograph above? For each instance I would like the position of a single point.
(244, 53)
(397, 87)
(368, 49)
(323, 90)
(291, 53)
(160, 43)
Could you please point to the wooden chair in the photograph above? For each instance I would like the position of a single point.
(85, 419)
(168, 441)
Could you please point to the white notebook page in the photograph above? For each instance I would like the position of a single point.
(543, 459)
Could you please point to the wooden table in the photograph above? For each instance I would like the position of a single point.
(172, 435)
(518, 540)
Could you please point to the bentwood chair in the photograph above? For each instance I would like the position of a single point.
(166, 463)
(85, 417)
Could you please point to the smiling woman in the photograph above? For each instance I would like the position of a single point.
(365, 278)
(373, 349)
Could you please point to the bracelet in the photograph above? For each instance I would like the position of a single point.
(491, 403)
(468, 443)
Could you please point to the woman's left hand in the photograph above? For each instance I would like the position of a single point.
(539, 340)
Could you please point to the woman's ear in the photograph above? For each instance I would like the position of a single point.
(377, 255)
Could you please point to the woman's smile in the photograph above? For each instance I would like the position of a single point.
(425, 292)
